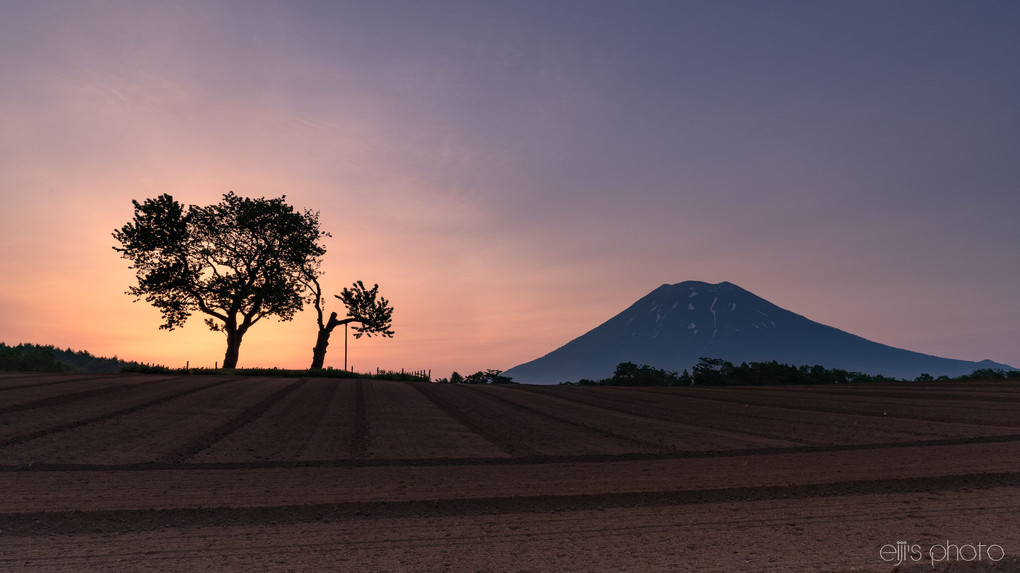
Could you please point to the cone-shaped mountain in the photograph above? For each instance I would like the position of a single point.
(675, 325)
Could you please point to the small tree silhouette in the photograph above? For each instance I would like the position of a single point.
(372, 313)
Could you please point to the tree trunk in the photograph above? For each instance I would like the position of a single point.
(233, 349)
(319, 352)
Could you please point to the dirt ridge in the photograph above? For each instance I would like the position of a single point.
(74, 396)
(18, 439)
(589, 427)
(207, 439)
(471, 423)
(518, 460)
(112, 521)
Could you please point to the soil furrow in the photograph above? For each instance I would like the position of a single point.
(658, 410)
(60, 380)
(289, 430)
(402, 423)
(969, 392)
(75, 396)
(643, 444)
(857, 405)
(519, 460)
(116, 521)
(334, 434)
(202, 442)
(108, 416)
(359, 440)
(483, 430)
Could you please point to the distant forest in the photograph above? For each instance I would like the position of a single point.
(718, 372)
(37, 358)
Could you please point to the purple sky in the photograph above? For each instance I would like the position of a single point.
(514, 173)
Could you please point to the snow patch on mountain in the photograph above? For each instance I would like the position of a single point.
(715, 321)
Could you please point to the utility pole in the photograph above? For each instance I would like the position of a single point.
(345, 347)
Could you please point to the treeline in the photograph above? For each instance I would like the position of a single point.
(313, 372)
(37, 358)
(719, 372)
(487, 377)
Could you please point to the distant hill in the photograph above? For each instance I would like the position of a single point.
(675, 325)
(37, 358)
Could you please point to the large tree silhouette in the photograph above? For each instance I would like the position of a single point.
(237, 261)
(372, 313)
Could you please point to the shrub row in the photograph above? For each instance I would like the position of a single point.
(719, 372)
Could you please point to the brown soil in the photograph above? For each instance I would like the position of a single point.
(145, 473)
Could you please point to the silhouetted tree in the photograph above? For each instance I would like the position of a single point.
(986, 374)
(486, 377)
(237, 261)
(626, 373)
(372, 313)
(711, 371)
(630, 374)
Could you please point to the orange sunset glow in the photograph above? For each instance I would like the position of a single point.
(514, 174)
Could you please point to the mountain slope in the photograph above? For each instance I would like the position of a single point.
(675, 325)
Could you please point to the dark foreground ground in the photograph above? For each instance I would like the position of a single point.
(163, 473)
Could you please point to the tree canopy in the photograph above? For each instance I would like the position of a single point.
(371, 313)
(237, 261)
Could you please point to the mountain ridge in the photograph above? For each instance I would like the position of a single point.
(676, 324)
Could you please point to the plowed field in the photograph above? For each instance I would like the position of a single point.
(164, 473)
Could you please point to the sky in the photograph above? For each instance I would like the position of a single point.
(514, 173)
